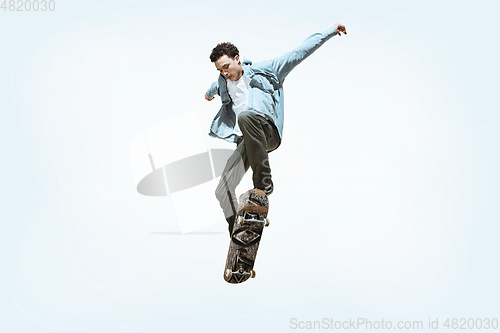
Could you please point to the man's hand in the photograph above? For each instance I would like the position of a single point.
(340, 28)
(208, 98)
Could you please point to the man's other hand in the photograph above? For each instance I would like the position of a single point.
(208, 98)
(340, 28)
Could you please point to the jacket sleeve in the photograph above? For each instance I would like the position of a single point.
(213, 90)
(284, 64)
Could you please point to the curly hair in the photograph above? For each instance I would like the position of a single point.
(224, 49)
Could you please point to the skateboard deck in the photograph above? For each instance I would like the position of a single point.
(251, 218)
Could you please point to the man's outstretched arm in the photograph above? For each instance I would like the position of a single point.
(284, 64)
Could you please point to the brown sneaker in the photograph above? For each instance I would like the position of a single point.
(268, 190)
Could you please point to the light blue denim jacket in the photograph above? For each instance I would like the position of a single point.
(266, 87)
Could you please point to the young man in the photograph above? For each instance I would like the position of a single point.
(252, 112)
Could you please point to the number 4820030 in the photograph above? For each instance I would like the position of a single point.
(28, 5)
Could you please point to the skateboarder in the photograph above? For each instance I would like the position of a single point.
(252, 112)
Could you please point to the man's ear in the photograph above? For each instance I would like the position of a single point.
(237, 58)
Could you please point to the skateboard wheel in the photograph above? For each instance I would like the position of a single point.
(266, 222)
(252, 273)
(241, 219)
(229, 273)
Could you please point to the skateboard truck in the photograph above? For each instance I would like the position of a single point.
(229, 272)
(242, 220)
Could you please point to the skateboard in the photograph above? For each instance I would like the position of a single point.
(251, 218)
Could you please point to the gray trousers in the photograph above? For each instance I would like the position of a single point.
(259, 136)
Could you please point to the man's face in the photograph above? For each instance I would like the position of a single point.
(229, 67)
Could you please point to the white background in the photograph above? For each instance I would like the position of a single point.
(386, 199)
